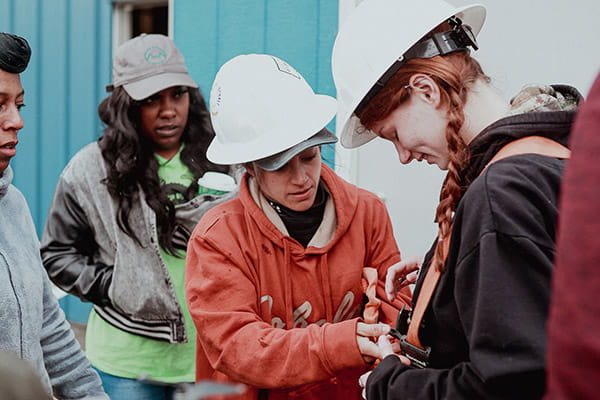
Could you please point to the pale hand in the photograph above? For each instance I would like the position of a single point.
(364, 335)
(401, 274)
(386, 348)
(362, 381)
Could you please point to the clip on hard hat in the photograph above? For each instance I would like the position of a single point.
(439, 44)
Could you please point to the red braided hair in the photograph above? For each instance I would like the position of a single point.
(455, 74)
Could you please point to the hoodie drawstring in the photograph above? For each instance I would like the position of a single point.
(324, 272)
(289, 305)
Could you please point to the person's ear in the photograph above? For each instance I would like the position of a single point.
(250, 169)
(426, 88)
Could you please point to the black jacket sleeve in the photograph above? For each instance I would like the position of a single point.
(68, 247)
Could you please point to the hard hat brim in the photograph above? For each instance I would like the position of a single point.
(276, 161)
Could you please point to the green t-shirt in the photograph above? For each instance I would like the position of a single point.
(126, 355)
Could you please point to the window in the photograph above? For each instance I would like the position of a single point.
(133, 17)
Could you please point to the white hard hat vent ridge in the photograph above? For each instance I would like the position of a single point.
(260, 106)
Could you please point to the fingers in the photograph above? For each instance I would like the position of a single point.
(379, 350)
(385, 347)
(362, 381)
(412, 277)
(401, 274)
(364, 332)
(368, 349)
(404, 360)
(372, 330)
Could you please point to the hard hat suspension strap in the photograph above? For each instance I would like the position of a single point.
(459, 38)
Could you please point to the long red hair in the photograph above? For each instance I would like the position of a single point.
(455, 74)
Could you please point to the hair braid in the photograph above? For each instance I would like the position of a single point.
(451, 190)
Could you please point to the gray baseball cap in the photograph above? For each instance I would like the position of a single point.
(276, 161)
(148, 64)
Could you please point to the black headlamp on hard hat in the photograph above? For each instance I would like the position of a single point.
(459, 38)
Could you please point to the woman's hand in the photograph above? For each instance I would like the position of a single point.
(400, 275)
(364, 335)
(362, 381)
(386, 348)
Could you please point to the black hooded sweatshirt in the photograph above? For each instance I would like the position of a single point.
(487, 317)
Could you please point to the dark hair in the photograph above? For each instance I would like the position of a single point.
(14, 53)
(455, 74)
(131, 164)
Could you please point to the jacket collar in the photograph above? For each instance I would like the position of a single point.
(340, 208)
(551, 124)
(5, 180)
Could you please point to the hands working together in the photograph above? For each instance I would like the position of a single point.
(398, 276)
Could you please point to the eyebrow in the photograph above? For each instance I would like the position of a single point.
(21, 93)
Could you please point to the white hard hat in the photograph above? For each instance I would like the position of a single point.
(376, 37)
(260, 106)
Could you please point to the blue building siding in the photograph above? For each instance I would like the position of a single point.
(64, 83)
(210, 32)
(70, 65)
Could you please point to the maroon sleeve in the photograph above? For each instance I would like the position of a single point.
(573, 358)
